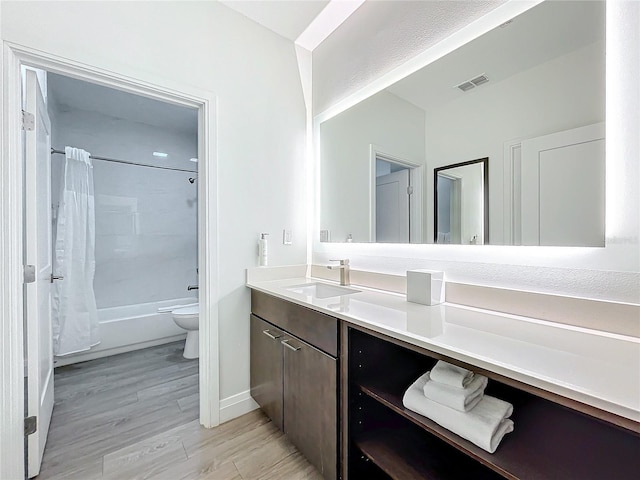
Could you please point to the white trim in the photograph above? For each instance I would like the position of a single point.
(11, 306)
(416, 176)
(11, 235)
(236, 405)
(509, 190)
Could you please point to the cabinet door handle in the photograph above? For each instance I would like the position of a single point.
(288, 345)
(272, 337)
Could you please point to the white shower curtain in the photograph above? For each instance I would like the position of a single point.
(75, 316)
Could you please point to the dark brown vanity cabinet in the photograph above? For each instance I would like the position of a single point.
(384, 440)
(266, 368)
(310, 404)
(294, 381)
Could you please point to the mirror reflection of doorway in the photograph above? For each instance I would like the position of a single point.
(461, 201)
(449, 209)
(393, 190)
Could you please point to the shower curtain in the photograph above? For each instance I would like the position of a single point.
(75, 315)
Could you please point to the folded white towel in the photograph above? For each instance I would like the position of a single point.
(448, 374)
(461, 399)
(175, 307)
(484, 426)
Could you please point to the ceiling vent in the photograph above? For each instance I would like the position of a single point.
(474, 82)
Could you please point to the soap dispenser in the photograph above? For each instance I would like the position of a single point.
(262, 249)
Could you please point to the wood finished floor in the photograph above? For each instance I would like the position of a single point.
(135, 416)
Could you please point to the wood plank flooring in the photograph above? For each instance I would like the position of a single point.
(135, 416)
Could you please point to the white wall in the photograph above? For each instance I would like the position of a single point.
(601, 273)
(384, 120)
(261, 120)
(564, 93)
(146, 218)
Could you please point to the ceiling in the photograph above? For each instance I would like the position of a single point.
(69, 93)
(543, 33)
(288, 18)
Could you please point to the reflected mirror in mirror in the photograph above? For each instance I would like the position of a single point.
(528, 96)
(460, 203)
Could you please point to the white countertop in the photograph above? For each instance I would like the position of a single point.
(596, 368)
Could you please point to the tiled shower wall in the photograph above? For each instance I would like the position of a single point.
(146, 218)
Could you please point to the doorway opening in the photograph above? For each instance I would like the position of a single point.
(111, 228)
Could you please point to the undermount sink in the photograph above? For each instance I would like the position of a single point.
(321, 290)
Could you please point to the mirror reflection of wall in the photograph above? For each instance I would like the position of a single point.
(539, 75)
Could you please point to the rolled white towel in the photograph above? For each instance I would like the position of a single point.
(452, 375)
(461, 399)
(484, 426)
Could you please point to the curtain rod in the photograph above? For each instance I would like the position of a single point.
(62, 152)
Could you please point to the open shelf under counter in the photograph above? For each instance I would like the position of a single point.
(403, 454)
(550, 441)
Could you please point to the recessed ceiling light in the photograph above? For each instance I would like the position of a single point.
(193, 160)
(160, 154)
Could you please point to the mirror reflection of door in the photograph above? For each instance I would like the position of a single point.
(392, 202)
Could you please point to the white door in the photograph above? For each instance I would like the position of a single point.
(563, 181)
(38, 253)
(392, 207)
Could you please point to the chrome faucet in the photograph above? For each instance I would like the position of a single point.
(192, 287)
(344, 271)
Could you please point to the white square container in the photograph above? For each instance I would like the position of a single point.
(425, 287)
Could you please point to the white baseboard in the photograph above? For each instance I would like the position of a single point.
(236, 406)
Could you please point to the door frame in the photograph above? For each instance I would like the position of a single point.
(11, 234)
(415, 199)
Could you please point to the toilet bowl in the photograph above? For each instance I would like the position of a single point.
(189, 319)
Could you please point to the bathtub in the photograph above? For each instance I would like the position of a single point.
(131, 327)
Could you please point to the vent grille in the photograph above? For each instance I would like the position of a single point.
(474, 82)
(466, 86)
(480, 80)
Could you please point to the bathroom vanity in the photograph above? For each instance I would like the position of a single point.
(331, 372)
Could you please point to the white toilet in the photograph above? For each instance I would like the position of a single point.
(189, 319)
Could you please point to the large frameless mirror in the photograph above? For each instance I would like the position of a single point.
(528, 98)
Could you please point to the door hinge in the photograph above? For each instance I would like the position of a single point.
(30, 425)
(28, 121)
(29, 273)
(409, 190)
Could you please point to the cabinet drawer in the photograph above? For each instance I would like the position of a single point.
(316, 328)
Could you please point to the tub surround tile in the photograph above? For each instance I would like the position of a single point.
(141, 213)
